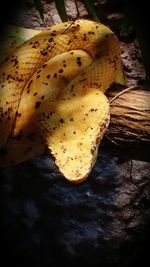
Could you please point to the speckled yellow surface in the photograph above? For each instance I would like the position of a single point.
(52, 95)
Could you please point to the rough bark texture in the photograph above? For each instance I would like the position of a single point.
(130, 116)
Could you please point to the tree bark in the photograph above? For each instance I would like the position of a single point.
(130, 116)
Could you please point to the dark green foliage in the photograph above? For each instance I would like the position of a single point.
(137, 16)
(39, 7)
(61, 9)
(91, 8)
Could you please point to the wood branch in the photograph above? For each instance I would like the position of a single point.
(130, 116)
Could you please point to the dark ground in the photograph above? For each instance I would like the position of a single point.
(103, 222)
